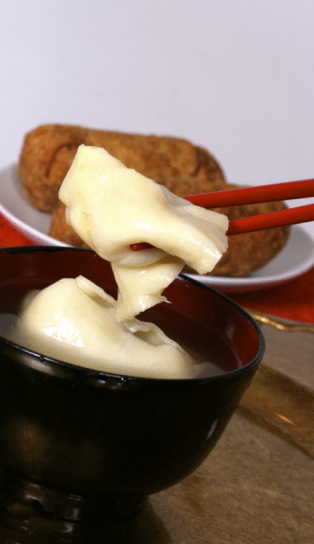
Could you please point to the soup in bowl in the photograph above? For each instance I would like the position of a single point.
(78, 444)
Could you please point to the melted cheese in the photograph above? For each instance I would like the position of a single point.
(111, 207)
(75, 321)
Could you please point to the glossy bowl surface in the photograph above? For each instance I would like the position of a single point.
(71, 437)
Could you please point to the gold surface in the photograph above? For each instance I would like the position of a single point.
(282, 393)
(257, 486)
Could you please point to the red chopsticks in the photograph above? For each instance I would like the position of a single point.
(252, 195)
(290, 216)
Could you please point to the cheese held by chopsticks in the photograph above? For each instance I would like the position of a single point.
(112, 207)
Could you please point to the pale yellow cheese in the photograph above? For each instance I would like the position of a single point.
(74, 320)
(111, 207)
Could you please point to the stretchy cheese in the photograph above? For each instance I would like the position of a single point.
(74, 320)
(111, 207)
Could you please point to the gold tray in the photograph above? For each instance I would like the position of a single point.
(257, 486)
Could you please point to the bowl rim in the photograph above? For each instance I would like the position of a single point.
(40, 361)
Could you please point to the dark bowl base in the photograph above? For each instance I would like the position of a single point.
(33, 513)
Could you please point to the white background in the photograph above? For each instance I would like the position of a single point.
(235, 76)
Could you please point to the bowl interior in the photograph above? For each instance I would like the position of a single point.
(201, 319)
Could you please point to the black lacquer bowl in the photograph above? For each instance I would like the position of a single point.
(79, 446)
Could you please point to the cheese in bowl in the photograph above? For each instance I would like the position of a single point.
(74, 320)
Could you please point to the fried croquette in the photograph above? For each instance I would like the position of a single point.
(48, 152)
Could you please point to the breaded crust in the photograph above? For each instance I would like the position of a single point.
(45, 158)
(48, 151)
(61, 230)
(250, 251)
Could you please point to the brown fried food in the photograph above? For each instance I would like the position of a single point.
(46, 156)
(250, 251)
(48, 151)
(246, 252)
(60, 228)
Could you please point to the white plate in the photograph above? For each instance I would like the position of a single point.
(296, 258)
(17, 209)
